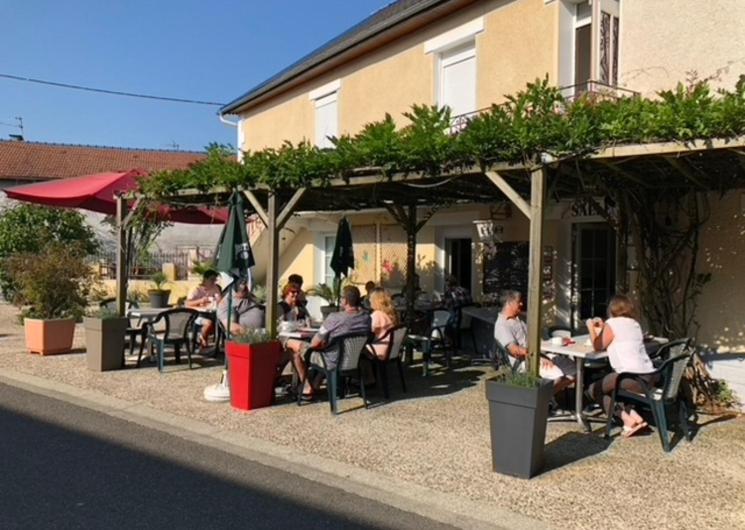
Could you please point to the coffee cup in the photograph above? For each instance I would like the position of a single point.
(557, 341)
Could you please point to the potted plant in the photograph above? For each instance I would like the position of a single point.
(105, 333)
(159, 296)
(330, 293)
(253, 357)
(518, 410)
(51, 288)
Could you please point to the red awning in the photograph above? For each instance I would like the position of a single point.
(98, 193)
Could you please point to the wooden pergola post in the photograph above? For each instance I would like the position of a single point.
(272, 270)
(534, 211)
(535, 266)
(121, 256)
(411, 230)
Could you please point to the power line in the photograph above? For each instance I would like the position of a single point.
(110, 92)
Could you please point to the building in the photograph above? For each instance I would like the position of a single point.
(24, 162)
(468, 55)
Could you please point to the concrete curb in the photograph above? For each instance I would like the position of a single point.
(442, 507)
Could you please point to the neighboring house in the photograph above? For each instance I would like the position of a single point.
(24, 162)
(468, 55)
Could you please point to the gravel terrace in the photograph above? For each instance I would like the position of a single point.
(438, 437)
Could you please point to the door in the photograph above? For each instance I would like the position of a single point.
(458, 260)
(594, 275)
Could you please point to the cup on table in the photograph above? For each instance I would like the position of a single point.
(557, 341)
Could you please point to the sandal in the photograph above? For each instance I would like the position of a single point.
(630, 431)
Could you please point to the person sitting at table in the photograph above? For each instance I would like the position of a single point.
(384, 317)
(621, 335)
(351, 319)
(511, 334)
(290, 309)
(455, 296)
(204, 297)
(247, 312)
(298, 280)
(369, 286)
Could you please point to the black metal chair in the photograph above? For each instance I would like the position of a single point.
(177, 323)
(659, 399)
(670, 349)
(394, 340)
(340, 358)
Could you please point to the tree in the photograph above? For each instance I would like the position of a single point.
(28, 228)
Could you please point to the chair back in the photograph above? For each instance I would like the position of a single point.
(350, 349)
(673, 348)
(395, 339)
(672, 373)
(109, 304)
(177, 322)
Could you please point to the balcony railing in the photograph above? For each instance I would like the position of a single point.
(597, 90)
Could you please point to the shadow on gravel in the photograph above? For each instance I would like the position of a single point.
(572, 447)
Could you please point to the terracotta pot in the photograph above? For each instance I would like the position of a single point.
(48, 337)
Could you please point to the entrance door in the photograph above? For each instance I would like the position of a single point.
(458, 260)
(594, 270)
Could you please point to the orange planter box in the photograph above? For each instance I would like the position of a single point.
(48, 337)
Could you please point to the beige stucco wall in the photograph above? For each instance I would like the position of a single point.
(662, 41)
(518, 45)
(722, 253)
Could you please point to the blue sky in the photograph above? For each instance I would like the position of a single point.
(191, 49)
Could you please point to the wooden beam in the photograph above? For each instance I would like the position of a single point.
(258, 208)
(623, 173)
(121, 256)
(286, 212)
(535, 266)
(685, 171)
(510, 192)
(272, 270)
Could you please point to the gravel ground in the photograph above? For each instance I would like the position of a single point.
(438, 437)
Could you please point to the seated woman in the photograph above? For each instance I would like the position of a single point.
(247, 312)
(384, 318)
(621, 335)
(204, 297)
(290, 308)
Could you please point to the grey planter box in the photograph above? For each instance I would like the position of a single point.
(158, 298)
(104, 342)
(517, 418)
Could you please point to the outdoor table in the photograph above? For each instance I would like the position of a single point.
(580, 349)
(305, 334)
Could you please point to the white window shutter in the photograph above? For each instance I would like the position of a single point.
(458, 80)
(327, 120)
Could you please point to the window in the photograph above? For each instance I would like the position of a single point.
(457, 79)
(596, 43)
(327, 119)
(328, 252)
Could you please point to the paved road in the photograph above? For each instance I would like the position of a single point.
(62, 466)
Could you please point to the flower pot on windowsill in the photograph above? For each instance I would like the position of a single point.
(104, 342)
(48, 337)
(517, 419)
(158, 297)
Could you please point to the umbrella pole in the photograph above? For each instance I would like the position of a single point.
(229, 322)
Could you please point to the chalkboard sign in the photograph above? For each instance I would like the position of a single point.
(507, 268)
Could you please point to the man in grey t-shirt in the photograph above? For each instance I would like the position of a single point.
(511, 334)
(352, 319)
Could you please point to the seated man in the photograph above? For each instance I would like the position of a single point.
(350, 320)
(512, 335)
(247, 313)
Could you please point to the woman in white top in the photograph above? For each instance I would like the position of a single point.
(621, 335)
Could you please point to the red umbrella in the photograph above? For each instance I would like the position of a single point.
(98, 193)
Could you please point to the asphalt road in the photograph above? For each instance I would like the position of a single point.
(62, 466)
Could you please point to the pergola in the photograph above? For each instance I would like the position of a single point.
(705, 165)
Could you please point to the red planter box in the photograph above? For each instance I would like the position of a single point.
(252, 369)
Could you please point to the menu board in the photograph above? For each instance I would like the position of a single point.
(507, 268)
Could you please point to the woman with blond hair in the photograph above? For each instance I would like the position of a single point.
(384, 318)
(622, 336)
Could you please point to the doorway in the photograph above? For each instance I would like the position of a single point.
(594, 276)
(459, 261)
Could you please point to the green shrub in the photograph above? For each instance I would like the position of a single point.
(30, 228)
(252, 336)
(521, 379)
(52, 284)
(159, 280)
